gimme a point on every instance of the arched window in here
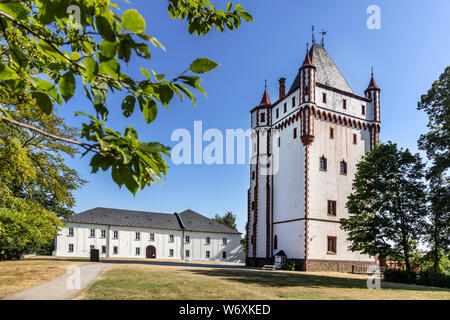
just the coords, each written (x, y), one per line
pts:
(275, 243)
(343, 167)
(323, 163)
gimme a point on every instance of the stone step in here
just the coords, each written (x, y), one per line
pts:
(268, 267)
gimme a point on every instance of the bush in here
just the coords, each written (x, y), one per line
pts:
(433, 278)
(292, 265)
(400, 276)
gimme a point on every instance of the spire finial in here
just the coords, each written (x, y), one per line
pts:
(323, 33)
(312, 31)
(307, 48)
(265, 84)
(372, 72)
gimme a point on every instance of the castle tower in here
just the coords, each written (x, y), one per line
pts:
(307, 144)
(373, 94)
(258, 225)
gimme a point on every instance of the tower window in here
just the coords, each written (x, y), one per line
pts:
(331, 245)
(277, 113)
(331, 208)
(275, 243)
(363, 109)
(253, 175)
(343, 167)
(263, 117)
(344, 104)
(279, 142)
(253, 205)
(331, 133)
(285, 107)
(295, 133)
(293, 101)
(323, 163)
(355, 139)
(324, 97)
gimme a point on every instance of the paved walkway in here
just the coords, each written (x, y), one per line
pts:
(65, 287)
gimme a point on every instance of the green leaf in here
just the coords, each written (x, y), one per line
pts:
(15, 9)
(6, 73)
(152, 40)
(133, 21)
(110, 67)
(43, 101)
(202, 65)
(149, 109)
(105, 28)
(91, 68)
(125, 47)
(67, 86)
(108, 49)
(246, 16)
(128, 105)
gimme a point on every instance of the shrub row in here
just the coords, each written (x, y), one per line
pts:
(424, 277)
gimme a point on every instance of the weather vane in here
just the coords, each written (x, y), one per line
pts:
(312, 31)
(323, 33)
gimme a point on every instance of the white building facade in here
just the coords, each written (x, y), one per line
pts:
(136, 234)
(305, 147)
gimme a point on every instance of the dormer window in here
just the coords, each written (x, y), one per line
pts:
(323, 163)
(324, 97)
(344, 104)
(263, 117)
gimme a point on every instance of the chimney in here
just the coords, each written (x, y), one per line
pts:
(282, 87)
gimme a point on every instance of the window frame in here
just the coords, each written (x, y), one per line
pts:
(208, 254)
(187, 239)
(295, 133)
(137, 251)
(293, 101)
(263, 117)
(151, 237)
(331, 133)
(324, 97)
(71, 247)
(224, 255)
(187, 253)
(363, 110)
(91, 231)
(355, 139)
(115, 249)
(103, 234)
(115, 234)
(137, 236)
(103, 251)
(224, 241)
(334, 247)
(171, 238)
(171, 252)
(344, 104)
(70, 232)
(208, 240)
(331, 204)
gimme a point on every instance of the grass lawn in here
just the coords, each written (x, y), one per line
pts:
(163, 282)
(21, 274)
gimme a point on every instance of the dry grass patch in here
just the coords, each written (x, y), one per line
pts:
(163, 282)
(21, 274)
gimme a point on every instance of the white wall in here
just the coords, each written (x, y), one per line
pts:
(127, 244)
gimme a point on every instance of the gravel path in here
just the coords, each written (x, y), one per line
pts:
(65, 287)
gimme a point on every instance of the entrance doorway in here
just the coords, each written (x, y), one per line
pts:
(150, 252)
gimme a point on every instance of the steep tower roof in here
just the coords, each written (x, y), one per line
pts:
(372, 84)
(265, 98)
(327, 73)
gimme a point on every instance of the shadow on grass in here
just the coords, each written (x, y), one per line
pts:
(287, 279)
(149, 262)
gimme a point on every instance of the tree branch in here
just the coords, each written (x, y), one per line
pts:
(87, 146)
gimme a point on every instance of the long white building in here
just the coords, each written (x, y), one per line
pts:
(137, 234)
(305, 149)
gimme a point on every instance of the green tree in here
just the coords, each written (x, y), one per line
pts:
(436, 143)
(47, 54)
(32, 166)
(228, 219)
(388, 204)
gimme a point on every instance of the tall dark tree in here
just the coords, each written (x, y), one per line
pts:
(436, 143)
(388, 204)
(228, 219)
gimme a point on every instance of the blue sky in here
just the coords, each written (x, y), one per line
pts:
(408, 53)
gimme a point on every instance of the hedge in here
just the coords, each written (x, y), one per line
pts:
(424, 277)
